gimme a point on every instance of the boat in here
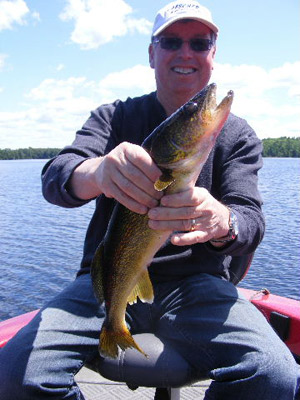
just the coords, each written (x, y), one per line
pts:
(282, 313)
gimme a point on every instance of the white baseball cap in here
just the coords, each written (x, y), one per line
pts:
(182, 9)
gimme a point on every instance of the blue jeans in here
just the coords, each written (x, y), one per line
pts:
(217, 330)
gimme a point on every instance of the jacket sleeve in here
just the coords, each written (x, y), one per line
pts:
(94, 139)
(238, 158)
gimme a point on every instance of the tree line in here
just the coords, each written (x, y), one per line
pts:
(280, 147)
(29, 153)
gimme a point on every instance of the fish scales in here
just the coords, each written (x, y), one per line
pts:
(179, 146)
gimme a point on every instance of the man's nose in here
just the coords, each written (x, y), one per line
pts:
(185, 50)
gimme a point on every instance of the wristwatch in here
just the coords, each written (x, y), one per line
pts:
(233, 230)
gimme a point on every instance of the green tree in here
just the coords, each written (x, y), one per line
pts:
(281, 147)
(28, 153)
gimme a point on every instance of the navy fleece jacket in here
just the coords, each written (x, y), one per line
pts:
(230, 175)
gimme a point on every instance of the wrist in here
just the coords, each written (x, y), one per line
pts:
(83, 182)
(232, 231)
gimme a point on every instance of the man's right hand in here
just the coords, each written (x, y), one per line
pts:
(126, 174)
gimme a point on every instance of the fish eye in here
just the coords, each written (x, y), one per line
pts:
(191, 107)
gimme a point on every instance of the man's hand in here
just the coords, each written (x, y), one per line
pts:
(194, 209)
(126, 174)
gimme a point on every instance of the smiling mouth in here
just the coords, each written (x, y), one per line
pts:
(183, 71)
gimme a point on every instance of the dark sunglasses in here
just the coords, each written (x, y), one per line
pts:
(175, 43)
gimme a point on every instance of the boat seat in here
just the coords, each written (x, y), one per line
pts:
(165, 368)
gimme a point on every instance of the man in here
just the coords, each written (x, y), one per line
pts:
(220, 333)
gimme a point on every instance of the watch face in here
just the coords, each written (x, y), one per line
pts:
(233, 228)
(232, 232)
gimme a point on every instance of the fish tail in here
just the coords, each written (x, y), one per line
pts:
(110, 340)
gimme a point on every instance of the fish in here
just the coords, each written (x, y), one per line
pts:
(179, 146)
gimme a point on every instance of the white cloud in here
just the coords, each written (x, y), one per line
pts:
(54, 110)
(50, 115)
(129, 82)
(60, 67)
(2, 63)
(99, 21)
(36, 16)
(255, 80)
(56, 90)
(140, 76)
(12, 12)
(2, 60)
(269, 100)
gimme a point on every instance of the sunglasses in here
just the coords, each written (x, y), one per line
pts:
(175, 43)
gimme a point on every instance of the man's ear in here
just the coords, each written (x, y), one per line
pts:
(214, 51)
(151, 55)
(213, 56)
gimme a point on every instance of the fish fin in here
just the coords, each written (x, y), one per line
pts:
(143, 289)
(110, 341)
(164, 181)
(97, 273)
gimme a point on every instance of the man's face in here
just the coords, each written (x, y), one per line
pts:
(183, 72)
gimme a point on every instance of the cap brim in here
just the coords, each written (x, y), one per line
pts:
(213, 27)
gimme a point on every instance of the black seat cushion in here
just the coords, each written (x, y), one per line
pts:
(164, 367)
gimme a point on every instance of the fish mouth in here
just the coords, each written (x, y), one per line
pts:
(184, 70)
(206, 101)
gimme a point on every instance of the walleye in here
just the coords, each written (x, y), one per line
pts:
(179, 146)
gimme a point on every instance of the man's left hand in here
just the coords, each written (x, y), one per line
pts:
(195, 213)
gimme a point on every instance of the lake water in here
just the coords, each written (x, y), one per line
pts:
(41, 244)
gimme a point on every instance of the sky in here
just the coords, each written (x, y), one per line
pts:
(60, 59)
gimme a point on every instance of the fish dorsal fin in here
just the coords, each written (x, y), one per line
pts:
(164, 181)
(143, 289)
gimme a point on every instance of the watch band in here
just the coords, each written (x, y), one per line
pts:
(232, 232)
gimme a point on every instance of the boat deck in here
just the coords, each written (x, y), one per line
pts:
(95, 387)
